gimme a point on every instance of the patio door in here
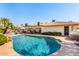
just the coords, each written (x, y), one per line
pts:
(66, 30)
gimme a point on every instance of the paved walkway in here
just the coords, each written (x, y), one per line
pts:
(7, 50)
(67, 49)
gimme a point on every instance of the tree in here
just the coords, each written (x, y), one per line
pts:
(53, 20)
(21, 25)
(10, 25)
(6, 23)
(26, 24)
(70, 21)
(38, 23)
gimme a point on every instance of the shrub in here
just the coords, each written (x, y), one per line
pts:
(1, 29)
(3, 39)
(52, 33)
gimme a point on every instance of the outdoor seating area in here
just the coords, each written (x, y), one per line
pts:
(24, 30)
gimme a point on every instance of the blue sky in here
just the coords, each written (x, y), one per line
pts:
(21, 13)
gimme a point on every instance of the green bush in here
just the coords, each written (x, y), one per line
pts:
(1, 29)
(3, 39)
(52, 33)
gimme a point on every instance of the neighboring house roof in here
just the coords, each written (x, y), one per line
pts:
(56, 24)
(61, 23)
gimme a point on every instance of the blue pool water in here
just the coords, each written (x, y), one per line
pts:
(35, 45)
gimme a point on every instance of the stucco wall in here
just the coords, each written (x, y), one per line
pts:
(53, 29)
(59, 29)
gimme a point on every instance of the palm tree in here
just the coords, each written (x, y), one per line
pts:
(38, 23)
(26, 24)
(10, 25)
(6, 23)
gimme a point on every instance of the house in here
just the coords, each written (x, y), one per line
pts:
(64, 27)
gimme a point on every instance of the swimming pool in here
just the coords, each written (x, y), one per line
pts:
(28, 45)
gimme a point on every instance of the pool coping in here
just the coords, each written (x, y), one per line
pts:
(34, 35)
(39, 36)
(47, 36)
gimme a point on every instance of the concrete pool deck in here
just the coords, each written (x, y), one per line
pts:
(7, 50)
(68, 49)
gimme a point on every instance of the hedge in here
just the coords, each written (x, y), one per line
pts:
(52, 33)
(3, 39)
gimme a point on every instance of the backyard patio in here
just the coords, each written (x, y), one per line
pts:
(68, 49)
